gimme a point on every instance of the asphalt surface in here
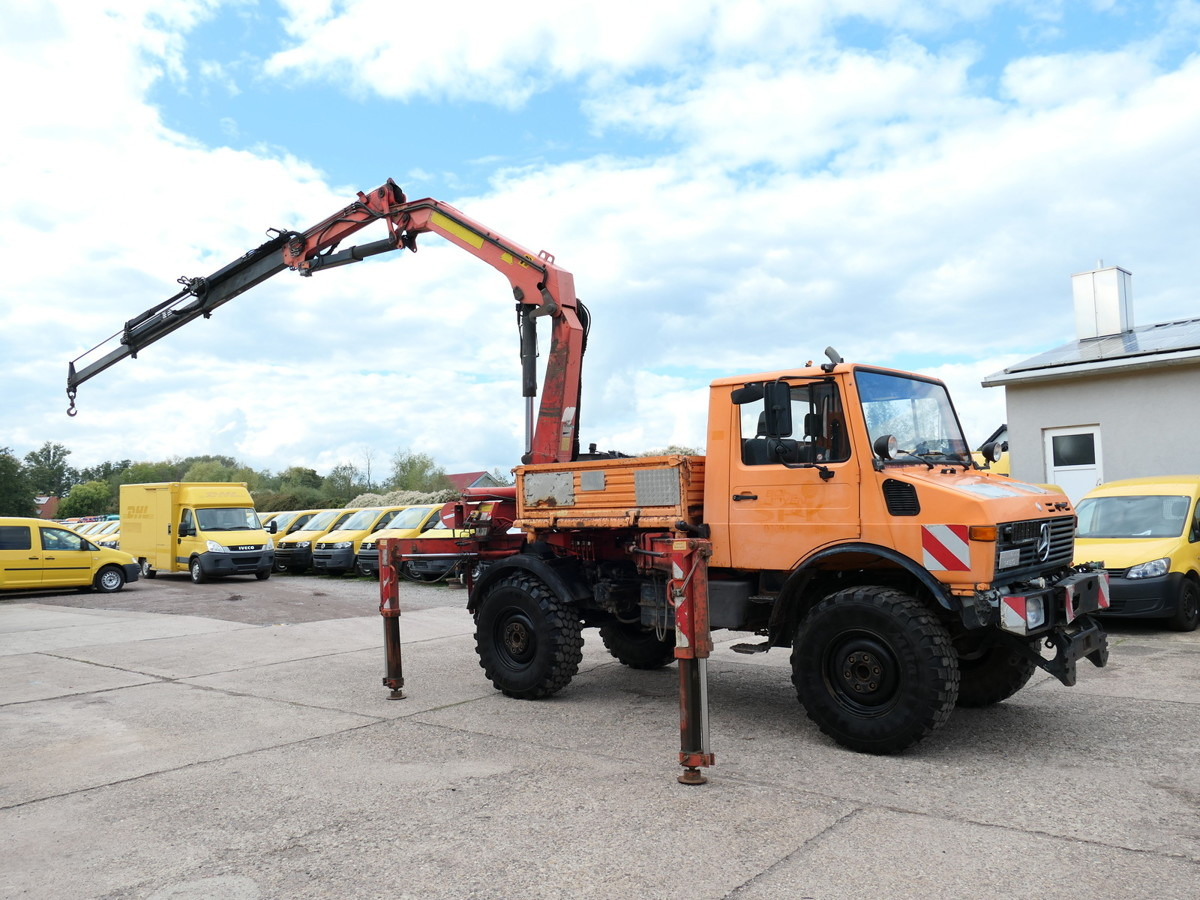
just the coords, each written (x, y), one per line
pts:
(233, 741)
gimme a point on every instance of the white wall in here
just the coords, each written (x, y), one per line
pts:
(1149, 420)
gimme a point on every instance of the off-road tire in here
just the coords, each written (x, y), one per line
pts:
(637, 648)
(529, 642)
(992, 673)
(1187, 609)
(874, 669)
(197, 571)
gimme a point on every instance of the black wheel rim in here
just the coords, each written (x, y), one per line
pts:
(862, 673)
(515, 639)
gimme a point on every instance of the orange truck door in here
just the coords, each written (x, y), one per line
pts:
(778, 513)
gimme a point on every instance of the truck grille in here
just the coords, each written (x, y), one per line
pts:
(1035, 547)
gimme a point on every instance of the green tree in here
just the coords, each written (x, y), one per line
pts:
(210, 470)
(48, 471)
(148, 473)
(16, 490)
(299, 477)
(91, 498)
(416, 472)
(342, 483)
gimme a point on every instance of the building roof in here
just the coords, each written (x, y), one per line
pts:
(1164, 344)
(472, 479)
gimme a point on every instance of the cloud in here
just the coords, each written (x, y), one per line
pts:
(753, 187)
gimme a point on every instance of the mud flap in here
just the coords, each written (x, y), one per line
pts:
(1085, 639)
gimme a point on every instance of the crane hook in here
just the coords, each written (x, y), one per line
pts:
(71, 410)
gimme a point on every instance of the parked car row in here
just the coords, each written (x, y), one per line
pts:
(337, 541)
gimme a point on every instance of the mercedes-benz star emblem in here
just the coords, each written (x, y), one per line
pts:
(1043, 544)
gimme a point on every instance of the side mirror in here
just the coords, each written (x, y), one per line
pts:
(778, 395)
(185, 530)
(272, 527)
(885, 446)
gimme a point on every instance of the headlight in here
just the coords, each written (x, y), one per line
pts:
(214, 547)
(270, 544)
(1035, 612)
(1156, 568)
(343, 545)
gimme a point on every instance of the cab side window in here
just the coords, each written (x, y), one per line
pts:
(186, 525)
(58, 539)
(15, 537)
(1194, 533)
(818, 429)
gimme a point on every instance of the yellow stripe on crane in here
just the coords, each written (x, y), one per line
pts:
(460, 231)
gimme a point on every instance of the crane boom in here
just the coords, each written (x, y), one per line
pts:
(541, 289)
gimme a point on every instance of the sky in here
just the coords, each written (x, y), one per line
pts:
(734, 186)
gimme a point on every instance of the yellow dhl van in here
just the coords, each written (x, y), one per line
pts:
(413, 521)
(294, 552)
(204, 528)
(336, 552)
(38, 554)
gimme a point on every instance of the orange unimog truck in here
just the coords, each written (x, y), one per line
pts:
(837, 513)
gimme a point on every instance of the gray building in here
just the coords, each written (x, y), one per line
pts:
(1118, 402)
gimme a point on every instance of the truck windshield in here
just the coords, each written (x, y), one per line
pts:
(1131, 517)
(360, 521)
(232, 519)
(917, 413)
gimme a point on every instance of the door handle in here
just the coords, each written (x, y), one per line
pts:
(737, 497)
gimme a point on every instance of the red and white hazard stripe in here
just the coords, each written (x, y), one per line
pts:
(945, 548)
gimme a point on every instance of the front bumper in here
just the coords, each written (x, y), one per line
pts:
(1145, 598)
(217, 564)
(133, 571)
(337, 560)
(368, 562)
(295, 559)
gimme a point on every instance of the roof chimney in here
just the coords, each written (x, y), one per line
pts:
(1103, 302)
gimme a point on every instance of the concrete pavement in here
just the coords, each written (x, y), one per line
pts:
(176, 756)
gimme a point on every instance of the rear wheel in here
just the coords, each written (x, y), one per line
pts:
(874, 669)
(637, 648)
(147, 570)
(197, 571)
(1187, 611)
(529, 643)
(991, 673)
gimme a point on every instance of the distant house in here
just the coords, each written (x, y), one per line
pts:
(1118, 402)
(47, 507)
(473, 479)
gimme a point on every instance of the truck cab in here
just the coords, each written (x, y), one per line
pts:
(337, 552)
(295, 552)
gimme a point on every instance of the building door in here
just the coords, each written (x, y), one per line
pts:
(1073, 459)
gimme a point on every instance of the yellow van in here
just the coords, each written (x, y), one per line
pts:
(294, 552)
(35, 553)
(204, 528)
(413, 521)
(1146, 531)
(335, 553)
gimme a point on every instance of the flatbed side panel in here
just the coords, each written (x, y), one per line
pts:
(645, 491)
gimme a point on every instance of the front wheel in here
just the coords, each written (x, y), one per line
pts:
(262, 574)
(991, 673)
(874, 669)
(637, 648)
(1187, 612)
(197, 571)
(109, 580)
(529, 643)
